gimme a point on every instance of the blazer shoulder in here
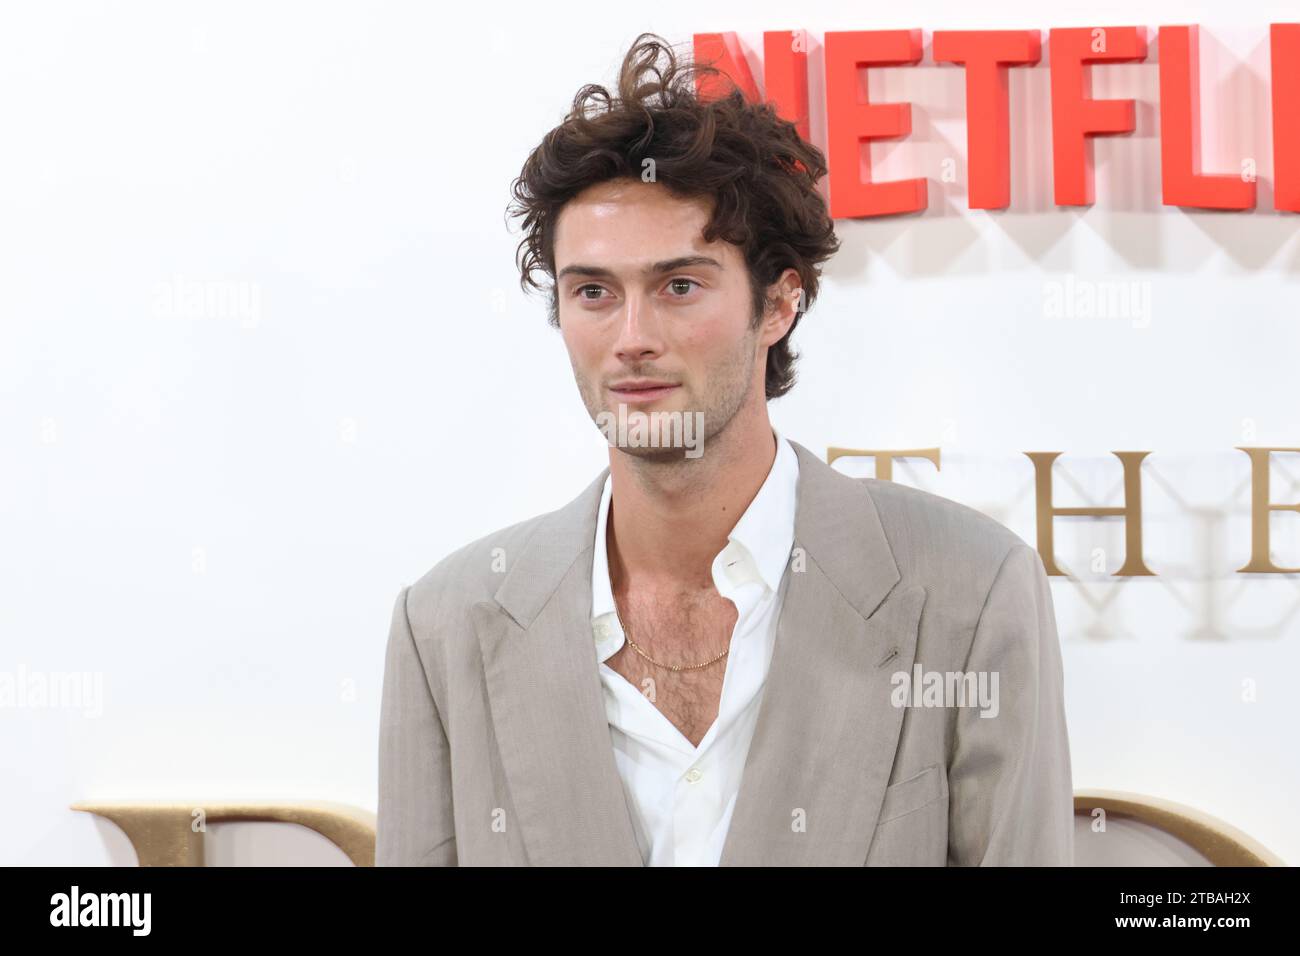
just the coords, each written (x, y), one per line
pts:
(471, 573)
(939, 539)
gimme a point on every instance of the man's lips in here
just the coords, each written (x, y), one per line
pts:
(636, 393)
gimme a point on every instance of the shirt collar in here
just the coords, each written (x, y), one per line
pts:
(766, 530)
(758, 546)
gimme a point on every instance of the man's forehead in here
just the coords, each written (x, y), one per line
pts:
(632, 224)
(627, 193)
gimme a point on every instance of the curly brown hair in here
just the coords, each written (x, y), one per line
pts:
(760, 172)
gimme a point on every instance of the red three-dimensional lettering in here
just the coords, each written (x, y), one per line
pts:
(852, 121)
(1076, 116)
(1284, 48)
(785, 72)
(1181, 179)
(722, 50)
(987, 54)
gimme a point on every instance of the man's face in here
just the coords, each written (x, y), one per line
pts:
(642, 299)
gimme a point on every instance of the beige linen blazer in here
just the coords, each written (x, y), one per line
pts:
(495, 750)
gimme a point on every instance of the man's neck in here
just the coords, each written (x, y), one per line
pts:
(670, 518)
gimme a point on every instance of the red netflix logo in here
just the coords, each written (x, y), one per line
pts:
(986, 56)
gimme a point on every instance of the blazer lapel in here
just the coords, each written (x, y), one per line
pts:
(824, 741)
(547, 701)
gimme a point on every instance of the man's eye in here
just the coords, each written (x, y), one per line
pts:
(675, 284)
(583, 288)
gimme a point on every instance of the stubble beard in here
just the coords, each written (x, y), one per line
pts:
(728, 384)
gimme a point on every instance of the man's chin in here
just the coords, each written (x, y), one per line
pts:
(653, 433)
(653, 454)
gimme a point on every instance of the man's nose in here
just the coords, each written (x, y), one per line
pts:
(639, 334)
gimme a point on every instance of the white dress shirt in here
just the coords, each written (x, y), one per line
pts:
(682, 796)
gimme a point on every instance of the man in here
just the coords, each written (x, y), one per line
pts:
(723, 651)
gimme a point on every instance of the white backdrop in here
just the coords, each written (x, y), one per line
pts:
(264, 360)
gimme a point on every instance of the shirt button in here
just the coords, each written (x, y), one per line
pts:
(601, 631)
(694, 774)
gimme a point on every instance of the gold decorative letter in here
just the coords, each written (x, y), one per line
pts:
(1131, 511)
(1261, 560)
(166, 834)
(884, 459)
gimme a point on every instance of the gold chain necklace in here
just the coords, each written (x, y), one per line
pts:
(627, 636)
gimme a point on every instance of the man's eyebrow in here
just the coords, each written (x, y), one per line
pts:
(655, 268)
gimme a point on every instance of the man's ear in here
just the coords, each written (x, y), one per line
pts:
(786, 296)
